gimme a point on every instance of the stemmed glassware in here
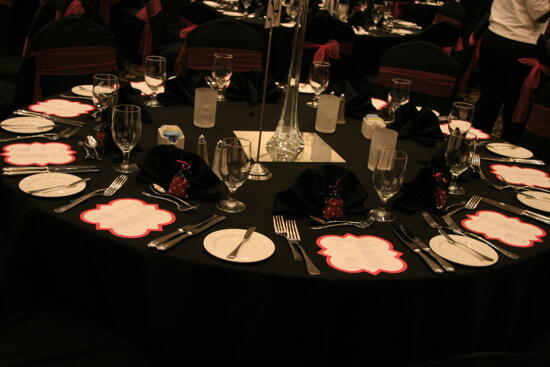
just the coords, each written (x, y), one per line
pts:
(155, 76)
(246, 5)
(221, 73)
(399, 95)
(319, 77)
(457, 157)
(234, 166)
(387, 178)
(376, 15)
(104, 92)
(461, 116)
(291, 9)
(126, 130)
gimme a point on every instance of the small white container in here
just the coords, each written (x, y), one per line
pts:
(170, 135)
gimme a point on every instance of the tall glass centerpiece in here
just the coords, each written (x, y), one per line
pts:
(286, 143)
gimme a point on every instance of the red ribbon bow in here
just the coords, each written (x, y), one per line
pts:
(529, 85)
(330, 50)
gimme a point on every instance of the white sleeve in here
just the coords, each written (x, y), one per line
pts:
(538, 8)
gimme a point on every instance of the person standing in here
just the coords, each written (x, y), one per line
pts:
(514, 28)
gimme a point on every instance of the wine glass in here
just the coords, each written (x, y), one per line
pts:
(461, 116)
(126, 130)
(376, 15)
(457, 157)
(291, 7)
(388, 7)
(399, 95)
(221, 72)
(319, 76)
(387, 178)
(246, 5)
(234, 166)
(104, 92)
(155, 75)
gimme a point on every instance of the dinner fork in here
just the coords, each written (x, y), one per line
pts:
(472, 203)
(294, 238)
(441, 229)
(456, 229)
(335, 223)
(49, 136)
(107, 191)
(280, 230)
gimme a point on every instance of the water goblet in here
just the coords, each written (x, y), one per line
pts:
(221, 73)
(399, 95)
(246, 5)
(155, 75)
(387, 179)
(457, 157)
(126, 130)
(377, 13)
(319, 77)
(234, 166)
(291, 7)
(461, 116)
(104, 92)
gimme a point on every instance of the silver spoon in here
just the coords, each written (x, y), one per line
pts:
(180, 206)
(83, 145)
(159, 190)
(92, 143)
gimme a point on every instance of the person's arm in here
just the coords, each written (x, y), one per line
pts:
(539, 10)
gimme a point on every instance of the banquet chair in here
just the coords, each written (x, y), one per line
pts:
(452, 13)
(442, 34)
(433, 73)
(49, 336)
(536, 136)
(68, 52)
(328, 39)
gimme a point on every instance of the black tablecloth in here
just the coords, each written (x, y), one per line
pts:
(186, 307)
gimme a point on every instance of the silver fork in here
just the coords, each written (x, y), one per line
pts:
(294, 238)
(336, 223)
(280, 230)
(441, 229)
(50, 136)
(107, 191)
(456, 229)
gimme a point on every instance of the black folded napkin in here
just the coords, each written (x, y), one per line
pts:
(160, 165)
(427, 190)
(357, 104)
(129, 95)
(308, 193)
(422, 126)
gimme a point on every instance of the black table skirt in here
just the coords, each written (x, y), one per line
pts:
(187, 307)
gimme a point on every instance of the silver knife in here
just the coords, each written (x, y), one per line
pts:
(167, 245)
(536, 162)
(435, 267)
(444, 263)
(516, 210)
(181, 230)
(71, 133)
(35, 170)
(61, 120)
(46, 168)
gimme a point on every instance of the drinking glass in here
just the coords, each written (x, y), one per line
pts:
(234, 166)
(126, 130)
(388, 7)
(376, 15)
(387, 178)
(399, 95)
(291, 7)
(457, 157)
(246, 5)
(221, 72)
(461, 116)
(104, 92)
(319, 76)
(155, 75)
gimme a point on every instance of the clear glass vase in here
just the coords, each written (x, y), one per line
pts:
(287, 143)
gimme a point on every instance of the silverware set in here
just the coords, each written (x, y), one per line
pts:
(338, 223)
(158, 192)
(31, 170)
(68, 132)
(59, 120)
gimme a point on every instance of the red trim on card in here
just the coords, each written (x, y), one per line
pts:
(494, 170)
(472, 217)
(87, 109)
(397, 255)
(113, 232)
(7, 154)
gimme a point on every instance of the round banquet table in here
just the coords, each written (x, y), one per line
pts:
(185, 307)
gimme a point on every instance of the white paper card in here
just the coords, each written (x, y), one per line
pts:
(39, 154)
(206, 100)
(356, 254)
(327, 113)
(62, 107)
(521, 176)
(509, 230)
(129, 218)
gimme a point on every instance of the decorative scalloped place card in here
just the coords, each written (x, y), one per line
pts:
(521, 176)
(508, 230)
(358, 254)
(39, 154)
(480, 135)
(128, 218)
(144, 88)
(62, 108)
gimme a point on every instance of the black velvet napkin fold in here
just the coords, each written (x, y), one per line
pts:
(427, 190)
(357, 104)
(160, 164)
(129, 95)
(422, 126)
(308, 193)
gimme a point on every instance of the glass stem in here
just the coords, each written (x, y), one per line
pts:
(231, 196)
(453, 180)
(383, 203)
(126, 158)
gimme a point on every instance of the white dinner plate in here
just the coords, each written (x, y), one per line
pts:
(535, 199)
(402, 32)
(84, 90)
(212, 4)
(44, 180)
(404, 23)
(27, 125)
(509, 150)
(221, 243)
(233, 13)
(461, 254)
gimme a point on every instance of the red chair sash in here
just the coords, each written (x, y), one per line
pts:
(423, 82)
(83, 60)
(75, 8)
(465, 78)
(531, 83)
(330, 50)
(538, 121)
(151, 8)
(443, 18)
(186, 26)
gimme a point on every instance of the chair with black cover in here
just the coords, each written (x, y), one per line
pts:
(328, 39)
(432, 72)
(442, 34)
(453, 13)
(68, 52)
(536, 136)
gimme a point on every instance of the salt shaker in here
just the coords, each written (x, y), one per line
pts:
(342, 110)
(202, 149)
(217, 158)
